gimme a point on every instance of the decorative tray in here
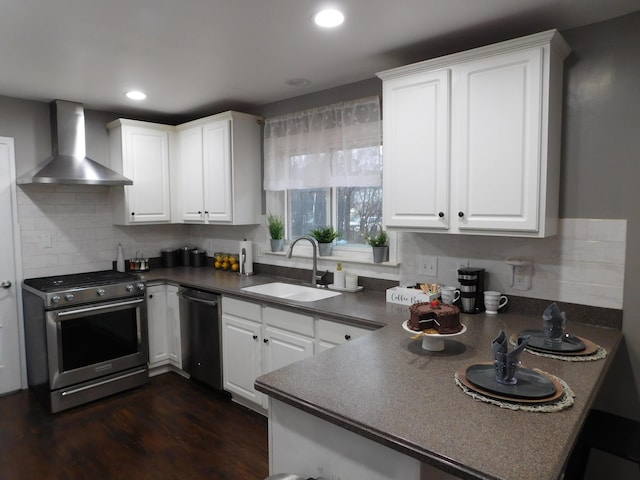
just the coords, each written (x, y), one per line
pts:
(532, 386)
(571, 345)
(359, 288)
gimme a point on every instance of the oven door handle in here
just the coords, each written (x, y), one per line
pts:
(97, 308)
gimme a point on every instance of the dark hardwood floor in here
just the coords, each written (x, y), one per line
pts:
(171, 428)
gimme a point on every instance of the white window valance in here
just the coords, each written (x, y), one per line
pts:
(335, 145)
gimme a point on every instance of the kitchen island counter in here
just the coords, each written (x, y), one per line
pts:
(384, 387)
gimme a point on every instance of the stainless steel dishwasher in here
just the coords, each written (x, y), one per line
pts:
(200, 336)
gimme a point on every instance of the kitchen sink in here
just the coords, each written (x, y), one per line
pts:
(289, 291)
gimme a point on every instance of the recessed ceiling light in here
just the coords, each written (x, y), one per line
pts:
(136, 95)
(328, 18)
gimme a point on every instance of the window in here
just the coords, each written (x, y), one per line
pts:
(328, 163)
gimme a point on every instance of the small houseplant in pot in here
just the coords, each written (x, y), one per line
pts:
(276, 230)
(379, 245)
(325, 237)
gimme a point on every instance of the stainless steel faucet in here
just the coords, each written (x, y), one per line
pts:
(314, 274)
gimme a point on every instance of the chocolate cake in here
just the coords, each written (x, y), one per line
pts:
(442, 318)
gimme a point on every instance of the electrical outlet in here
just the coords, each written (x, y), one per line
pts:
(428, 265)
(521, 274)
(522, 277)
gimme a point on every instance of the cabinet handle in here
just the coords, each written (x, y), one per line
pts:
(461, 214)
(266, 340)
(133, 213)
(199, 212)
(255, 337)
(441, 214)
(150, 296)
(206, 213)
(347, 337)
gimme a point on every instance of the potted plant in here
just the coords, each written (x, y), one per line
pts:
(379, 245)
(325, 237)
(276, 230)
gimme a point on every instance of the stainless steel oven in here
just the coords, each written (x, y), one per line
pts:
(86, 336)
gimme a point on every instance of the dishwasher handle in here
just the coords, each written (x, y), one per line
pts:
(212, 303)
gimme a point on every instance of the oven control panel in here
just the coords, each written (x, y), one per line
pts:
(93, 294)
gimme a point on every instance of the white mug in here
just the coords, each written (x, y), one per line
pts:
(449, 294)
(493, 301)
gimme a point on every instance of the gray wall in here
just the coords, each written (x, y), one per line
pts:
(601, 166)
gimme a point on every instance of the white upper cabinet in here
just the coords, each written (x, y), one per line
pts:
(472, 140)
(219, 169)
(140, 151)
(416, 150)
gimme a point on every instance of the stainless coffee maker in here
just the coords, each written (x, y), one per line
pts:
(471, 289)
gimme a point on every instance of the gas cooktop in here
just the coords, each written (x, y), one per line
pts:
(79, 280)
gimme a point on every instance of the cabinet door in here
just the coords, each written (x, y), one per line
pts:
(331, 334)
(191, 174)
(146, 162)
(157, 320)
(241, 356)
(217, 171)
(173, 326)
(416, 150)
(496, 141)
(282, 348)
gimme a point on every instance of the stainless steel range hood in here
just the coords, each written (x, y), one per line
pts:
(69, 164)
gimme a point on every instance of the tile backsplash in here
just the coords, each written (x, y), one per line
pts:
(68, 229)
(583, 264)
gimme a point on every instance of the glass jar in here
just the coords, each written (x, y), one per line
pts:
(234, 262)
(217, 260)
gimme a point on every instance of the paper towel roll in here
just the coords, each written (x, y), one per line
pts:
(245, 252)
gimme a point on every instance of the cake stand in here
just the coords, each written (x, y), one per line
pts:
(433, 342)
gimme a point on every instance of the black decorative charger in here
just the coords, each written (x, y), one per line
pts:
(569, 344)
(531, 384)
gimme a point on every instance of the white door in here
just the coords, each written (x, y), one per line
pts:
(217, 171)
(242, 357)
(157, 314)
(498, 108)
(9, 337)
(191, 174)
(147, 151)
(416, 150)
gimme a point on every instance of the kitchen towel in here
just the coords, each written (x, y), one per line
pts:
(245, 255)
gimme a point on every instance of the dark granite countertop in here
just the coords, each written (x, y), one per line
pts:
(361, 308)
(385, 387)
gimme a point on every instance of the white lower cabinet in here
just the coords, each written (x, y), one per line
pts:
(288, 337)
(241, 356)
(309, 446)
(259, 339)
(164, 326)
(173, 326)
(331, 334)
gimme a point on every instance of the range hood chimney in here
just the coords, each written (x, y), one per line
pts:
(69, 164)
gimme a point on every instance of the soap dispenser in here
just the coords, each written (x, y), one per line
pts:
(339, 277)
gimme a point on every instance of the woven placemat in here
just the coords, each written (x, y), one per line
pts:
(563, 402)
(599, 354)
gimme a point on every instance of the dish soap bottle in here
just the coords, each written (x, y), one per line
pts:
(338, 276)
(120, 260)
